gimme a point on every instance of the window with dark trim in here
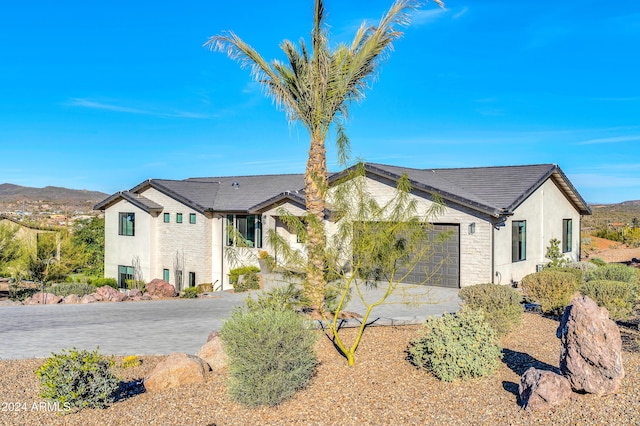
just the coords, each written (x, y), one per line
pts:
(567, 235)
(244, 230)
(192, 279)
(125, 273)
(178, 217)
(518, 240)
(126, 224)
(192, 218)
(165, 275)
(167, 217)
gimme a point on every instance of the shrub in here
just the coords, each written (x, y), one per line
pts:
(500, 305)
(613, 272)
(78, 379)
(583, 266)
(461, 345)
(205, 287)
(577, 272)
(189, 293)
(597, 261)
(271, 355)
(99, 282)
(283, 298)
(20, 294)
(552, 289)
(131, 361)
(249, 281)
(65, 289)
(136, 284)
(617, 296)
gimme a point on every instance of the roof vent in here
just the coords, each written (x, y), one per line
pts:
(235, 184)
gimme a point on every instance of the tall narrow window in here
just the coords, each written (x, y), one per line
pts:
(167, 217)
(192, 218)
(178, 217)
(567, 235)
(165, 275)
(126, 224)
(192, 279)
(125, 273)
(518, 240)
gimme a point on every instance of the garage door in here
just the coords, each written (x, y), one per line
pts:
(442, 268)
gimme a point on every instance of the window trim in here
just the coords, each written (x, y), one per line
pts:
(166, 275)
(567, 235)
(192, 218)
(518, 240)
(167, 218)
(232, 223)
(192, 279)
(123, 228)
(178, 217)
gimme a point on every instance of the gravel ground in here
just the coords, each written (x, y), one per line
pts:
(381, 389)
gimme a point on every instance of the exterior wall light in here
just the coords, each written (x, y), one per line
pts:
(472, 228)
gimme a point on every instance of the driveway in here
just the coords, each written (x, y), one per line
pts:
(165, 326)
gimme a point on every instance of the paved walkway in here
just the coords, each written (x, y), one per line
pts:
(165, 326)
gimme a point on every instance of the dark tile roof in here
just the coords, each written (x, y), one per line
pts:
(137, 200)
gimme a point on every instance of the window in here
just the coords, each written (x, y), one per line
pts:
(178, 217)
(244, 230)
(192, 218)
(125, 273)
(567, 235)
(165, 275)
(518, 240)
(167, 217)
(126, 224)
(192, 279)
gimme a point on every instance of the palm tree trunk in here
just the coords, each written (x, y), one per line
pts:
(315, 193)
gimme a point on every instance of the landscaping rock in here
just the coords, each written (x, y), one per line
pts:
(135, 293)
(10, 303)
(213, 353)
(176, 370)
(71, 299)
(591, 356)
(89, 298)
(43, 299)
(110, 294)
(542, 389)
(160, 288)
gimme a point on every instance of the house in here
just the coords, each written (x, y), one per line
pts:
(501, 220)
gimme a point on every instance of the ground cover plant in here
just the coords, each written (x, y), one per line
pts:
(500, 304)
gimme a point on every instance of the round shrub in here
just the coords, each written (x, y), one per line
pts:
(245, 278)
(282, 298)
(99, 282)
(499, 303)
(617, 296)
(461, 345)
(270, 355)
(189, 293)
(65, 289)
(551, 289)
(613, 272)
(78, 379)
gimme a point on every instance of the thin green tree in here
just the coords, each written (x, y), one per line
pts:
(315, 86)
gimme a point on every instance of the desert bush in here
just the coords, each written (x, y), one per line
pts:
(250, 279)
(583, 266)
(205, 287)
(499, 303)
(78, 379)
(550, 288)
(20, 294)
(136, 284)
(617, 296)
(65, 289)
(189, 293)
(99, 282)
(282, 298)
(613, 272)
(271, 355)
(577, 272)
(461, 345)
(131, 361)
(597, 261)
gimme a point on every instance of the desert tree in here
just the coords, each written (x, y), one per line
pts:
(315, 86)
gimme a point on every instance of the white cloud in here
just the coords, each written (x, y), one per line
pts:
(86, 103)
(614, 139)
(460, 13)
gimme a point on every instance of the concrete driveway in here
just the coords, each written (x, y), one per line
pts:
(165, 326)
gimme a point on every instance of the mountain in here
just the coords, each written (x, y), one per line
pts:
(12, 193)
(619, 213)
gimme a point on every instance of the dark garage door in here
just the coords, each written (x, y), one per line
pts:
(443, 266)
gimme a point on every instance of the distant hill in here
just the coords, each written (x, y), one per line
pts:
(12, 193)
(620, 213)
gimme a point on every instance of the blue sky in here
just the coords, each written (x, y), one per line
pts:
(102, 95)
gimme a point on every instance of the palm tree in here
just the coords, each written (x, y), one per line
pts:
(316, 87)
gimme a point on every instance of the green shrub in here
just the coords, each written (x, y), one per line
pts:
(613, 272)
(271, 355)
(131, 361)
(577, 273)
(99, 282)
(617, 296)
(205, 287)
(550, 288)
(249, 281)
(583, 266)
(461, 345)
(65, 289)
(21, 294)
(499, 303)
(597, 261)
(189, 293)
(78, 379)
(282, 298)
(136, 284)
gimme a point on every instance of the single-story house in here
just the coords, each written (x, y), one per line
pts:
(501, 220)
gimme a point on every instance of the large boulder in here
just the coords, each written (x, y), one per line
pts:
(43, 299)
(542, 389)
(89, 298)
(591, 355)
(109, 294)
(213, 353)
(176, 370)
(71, 299)
(135, 292)
(160, 288)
